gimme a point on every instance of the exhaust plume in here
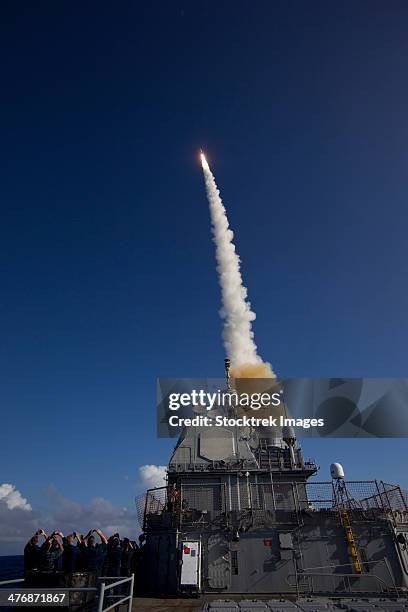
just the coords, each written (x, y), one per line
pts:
(236, 310)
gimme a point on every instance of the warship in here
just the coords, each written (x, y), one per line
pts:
(240, 525)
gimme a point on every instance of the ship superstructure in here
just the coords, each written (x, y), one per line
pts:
(240, 516)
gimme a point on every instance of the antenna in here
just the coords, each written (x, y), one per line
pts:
(227, 364)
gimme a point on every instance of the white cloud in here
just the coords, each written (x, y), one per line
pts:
(18, 522)
(153, 475)
(13, 498)
(68, 515)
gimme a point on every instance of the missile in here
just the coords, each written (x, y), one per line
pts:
(204, 162)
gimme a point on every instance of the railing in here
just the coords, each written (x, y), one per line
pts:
(203, 501)
(153, 502)
(100, 591)
(305, 580)
(363, 495)
(274, 459)
(106, 588)
(306, 583)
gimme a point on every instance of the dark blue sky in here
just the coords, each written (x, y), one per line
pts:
(107, 266)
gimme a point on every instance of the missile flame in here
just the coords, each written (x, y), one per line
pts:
(204, 162)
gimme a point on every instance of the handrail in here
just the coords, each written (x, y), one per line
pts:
(69, 589)
(340, 575)
(103, 587)
(107, 587)
(11, 581)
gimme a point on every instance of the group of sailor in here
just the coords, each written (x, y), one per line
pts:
(77, 553)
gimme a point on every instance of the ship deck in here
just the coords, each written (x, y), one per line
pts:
(255, 603)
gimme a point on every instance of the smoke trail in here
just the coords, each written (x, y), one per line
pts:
(236, 309)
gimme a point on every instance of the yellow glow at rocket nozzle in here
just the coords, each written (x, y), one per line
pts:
(204, 162)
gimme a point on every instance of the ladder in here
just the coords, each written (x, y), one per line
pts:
(353, 550)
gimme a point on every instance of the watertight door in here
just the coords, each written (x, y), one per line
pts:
(190, 567)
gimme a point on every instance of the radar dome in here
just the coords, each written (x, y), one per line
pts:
(336, 471)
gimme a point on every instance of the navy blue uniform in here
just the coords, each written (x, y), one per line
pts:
(127, 561)
(49, 558)
(114, 561)
(71, 558)
(32, 557)
(94, 557)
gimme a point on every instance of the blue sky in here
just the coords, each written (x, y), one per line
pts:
(107, 265)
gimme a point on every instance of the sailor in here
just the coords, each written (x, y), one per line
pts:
(94, 554)
(51, 552)
(138, 563)
(32, 552)
(114, 557)
(72, 557)
(128, 552)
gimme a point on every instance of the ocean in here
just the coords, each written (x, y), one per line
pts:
(11, 567)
